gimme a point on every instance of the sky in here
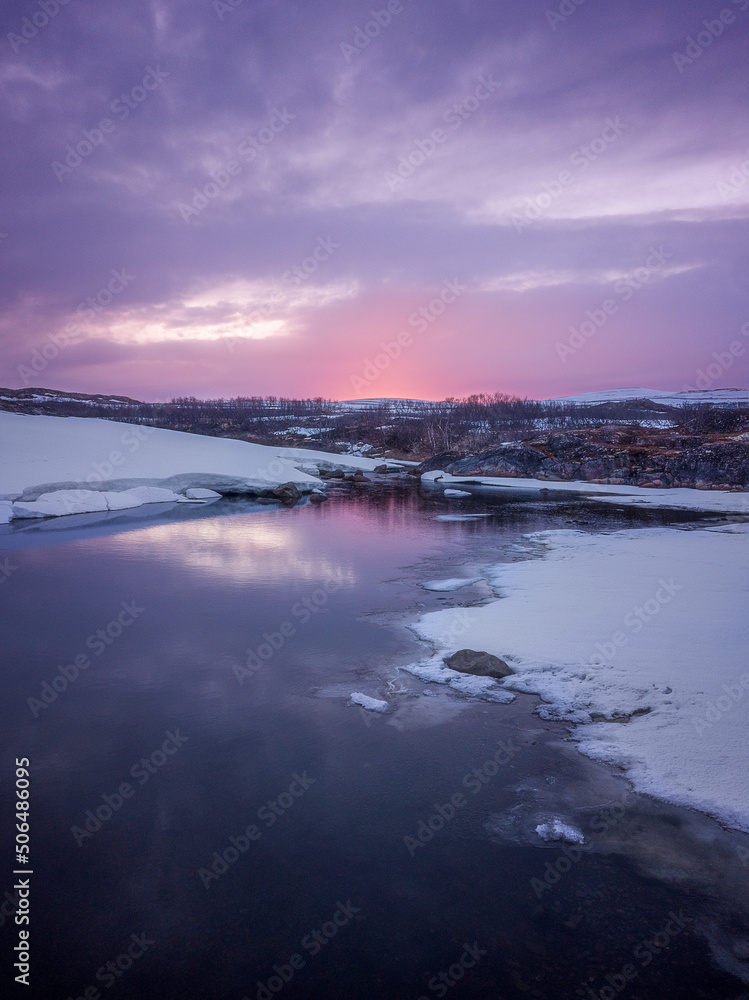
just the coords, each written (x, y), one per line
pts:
(348, 199)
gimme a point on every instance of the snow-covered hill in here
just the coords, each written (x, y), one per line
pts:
(89, 464)
(714, 397)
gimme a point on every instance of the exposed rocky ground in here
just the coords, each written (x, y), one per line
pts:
(632, 456)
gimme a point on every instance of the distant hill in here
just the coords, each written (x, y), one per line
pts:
(26, 399)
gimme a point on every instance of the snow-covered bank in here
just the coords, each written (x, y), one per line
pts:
(707, 501)
(79, 465)
(638, 637)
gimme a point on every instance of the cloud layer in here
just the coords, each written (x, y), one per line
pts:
(282, 188)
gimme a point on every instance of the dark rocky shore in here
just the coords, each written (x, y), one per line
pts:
(631, 456)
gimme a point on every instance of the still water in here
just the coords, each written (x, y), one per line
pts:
(211, 818)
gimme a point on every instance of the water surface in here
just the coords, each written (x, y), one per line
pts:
(220, 699)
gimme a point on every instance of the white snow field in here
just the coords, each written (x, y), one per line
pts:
(70, 465)
(708, 501)
(639, 638)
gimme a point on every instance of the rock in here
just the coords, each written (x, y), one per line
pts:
(380, 469)
(267, 500)
(316, 497)
(482, 664)
(335, 474)
(510, 460)
(440, 461)
(287, 493)
(359, 477)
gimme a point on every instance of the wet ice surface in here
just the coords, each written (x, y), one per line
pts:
(423, 817)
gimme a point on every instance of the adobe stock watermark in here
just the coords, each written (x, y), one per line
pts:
(421, 319)
(736, 181)
(272, 642)
(97, 642)
(474, 782)
(581, 159)
(454, 117)
(7, 569)
(94, 305)
(564, 11)
(651, 947)
(94, 137)
(312, 943)
(634, 622)
(716, 710)
(722, 362)
(269, 814)
(224, 7)
(445, 980)
(8, 906)
(322, 251)
(141, 771)
(249, 149)
(115, 969)
(33, 24)
(379, 20)
(702, 40)
(131, 439)
(460, 623)
(596, 319)
(604, 820)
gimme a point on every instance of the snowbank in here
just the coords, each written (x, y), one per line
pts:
(710, 501)
(640, 637)
(69, 465)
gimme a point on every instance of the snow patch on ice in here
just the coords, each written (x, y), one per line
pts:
(458, 517)
(201, 494)
(454, 583)
(371, 704)
(557, 829)
(456, 493)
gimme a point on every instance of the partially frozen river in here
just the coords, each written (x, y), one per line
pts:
(212, 818)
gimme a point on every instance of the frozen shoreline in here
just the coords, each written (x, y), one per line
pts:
(54, 466)
(703, 501)
(638, 639)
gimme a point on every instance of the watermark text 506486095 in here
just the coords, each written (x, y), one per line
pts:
(21, 950)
